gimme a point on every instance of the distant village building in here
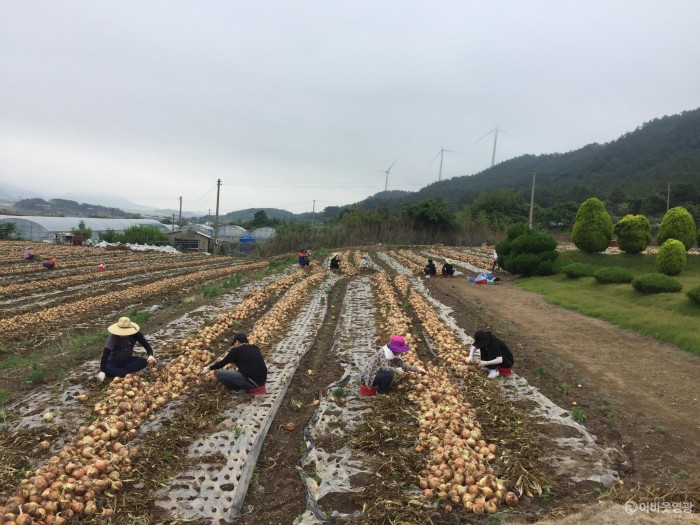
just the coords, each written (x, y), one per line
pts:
(51, 229)
(191, 239)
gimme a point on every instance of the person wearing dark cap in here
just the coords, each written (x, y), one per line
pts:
(496, 357)
(118, 357)
(430, 269)
(251, 375)
(379, 370)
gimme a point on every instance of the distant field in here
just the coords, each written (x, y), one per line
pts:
(670, 318)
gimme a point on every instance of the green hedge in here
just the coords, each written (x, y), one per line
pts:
(613, 275)
(656, 283)
(576, 270)
(694, 295)
(671, 258)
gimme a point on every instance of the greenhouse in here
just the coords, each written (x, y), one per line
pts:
(263, 234)
(39, 228)
(230, 233)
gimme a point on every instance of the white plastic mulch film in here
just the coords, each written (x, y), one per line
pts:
(354, 342)
(216, 491)
(579, 456)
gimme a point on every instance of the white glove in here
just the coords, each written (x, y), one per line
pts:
(205, 370)
(101, 376)
(151, 360)
(469, 359)
(422, 371)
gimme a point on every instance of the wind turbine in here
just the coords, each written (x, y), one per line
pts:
(386, 183)
(495, 140)
(441, 153)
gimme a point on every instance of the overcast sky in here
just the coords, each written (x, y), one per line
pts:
(291, 102)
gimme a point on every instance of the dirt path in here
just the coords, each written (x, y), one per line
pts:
(634, 390)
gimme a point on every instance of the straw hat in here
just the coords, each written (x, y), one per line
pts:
(448, 261)
(123, 327)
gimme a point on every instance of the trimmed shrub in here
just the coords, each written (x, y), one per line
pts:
(527, 251)
(576, 270)
(671, 257)
(633, 233)
(694, 295)
(593, 228)
(656, 283)
(677, 224)
(613, 275)
(533, 263)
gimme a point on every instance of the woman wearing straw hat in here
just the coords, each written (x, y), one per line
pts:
(379, 370)
(118, 357)
(447, 269)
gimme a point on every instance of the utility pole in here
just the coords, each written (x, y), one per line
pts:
(668, 197)
(173, 222)
(532, 195)
(216, 219)
(179, 219)
(313, 214)
(493, 155)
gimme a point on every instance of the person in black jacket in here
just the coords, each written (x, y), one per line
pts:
(495, 354)
(251, 373)
(430, 269)
(447, 269)
(118, 357)
(335, 262)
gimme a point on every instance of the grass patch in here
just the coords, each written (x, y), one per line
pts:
(38, 374)
(139, 316)
(232, 282)
(15, 361)
(578, 415)
(339, 392)
(670, 318)
(211, 291)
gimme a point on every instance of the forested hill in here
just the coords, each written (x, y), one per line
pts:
(637, 166)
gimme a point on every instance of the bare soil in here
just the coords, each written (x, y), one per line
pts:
(640, 396)
(630, 392)
(637, 393)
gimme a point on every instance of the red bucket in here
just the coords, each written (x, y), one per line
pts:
(504, 371)
(257, 390)
(367, 391)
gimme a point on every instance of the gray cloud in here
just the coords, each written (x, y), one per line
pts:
(293, 102)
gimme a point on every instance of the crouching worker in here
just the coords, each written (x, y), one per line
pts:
(496, 357)
(379, 370)
(118, 357)
(251, 375)
(447, 269)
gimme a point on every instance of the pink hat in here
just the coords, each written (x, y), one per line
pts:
(397, 344)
